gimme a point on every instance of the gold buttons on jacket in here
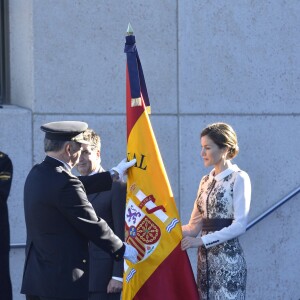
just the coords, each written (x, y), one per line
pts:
(84, 261)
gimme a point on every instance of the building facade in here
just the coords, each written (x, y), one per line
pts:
(204, 61)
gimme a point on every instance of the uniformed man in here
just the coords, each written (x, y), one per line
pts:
(6, 172)
(60, 220)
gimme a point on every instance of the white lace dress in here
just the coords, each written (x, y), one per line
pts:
(222, 270)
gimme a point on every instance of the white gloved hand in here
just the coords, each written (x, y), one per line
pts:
(122, 167)
(130, 253)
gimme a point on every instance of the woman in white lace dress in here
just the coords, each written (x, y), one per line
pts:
(219, 217)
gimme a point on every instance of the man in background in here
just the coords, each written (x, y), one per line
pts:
(105, 281)
(6, 172)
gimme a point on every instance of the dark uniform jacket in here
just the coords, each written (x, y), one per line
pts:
(6, 172)
(110, 206)
(60, 221)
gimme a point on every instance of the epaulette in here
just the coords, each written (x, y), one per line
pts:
(61, 169)
(4, 175)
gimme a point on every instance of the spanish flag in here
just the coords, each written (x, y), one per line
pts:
(152, 222)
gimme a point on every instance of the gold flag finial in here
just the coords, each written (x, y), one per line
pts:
(129, 29)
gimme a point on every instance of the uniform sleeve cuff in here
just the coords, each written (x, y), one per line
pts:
(119, 254)
(117, 278)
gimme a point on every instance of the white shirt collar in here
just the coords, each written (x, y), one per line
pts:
(225, 173)
(67, 167)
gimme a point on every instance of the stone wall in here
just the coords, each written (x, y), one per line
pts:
(204, 61)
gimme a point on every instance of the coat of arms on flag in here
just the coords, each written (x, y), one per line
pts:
(142, 232)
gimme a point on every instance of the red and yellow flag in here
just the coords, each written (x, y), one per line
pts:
(152, 221)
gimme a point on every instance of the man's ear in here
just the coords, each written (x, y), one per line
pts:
(98, 153)
(67, 148)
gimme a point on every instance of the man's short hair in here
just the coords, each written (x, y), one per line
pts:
(52, 145)
(93, 138)
(55, 146)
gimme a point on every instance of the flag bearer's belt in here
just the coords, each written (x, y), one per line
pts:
(215, 224)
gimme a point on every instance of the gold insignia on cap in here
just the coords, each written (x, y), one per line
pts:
(77, 137)
(80, 139)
